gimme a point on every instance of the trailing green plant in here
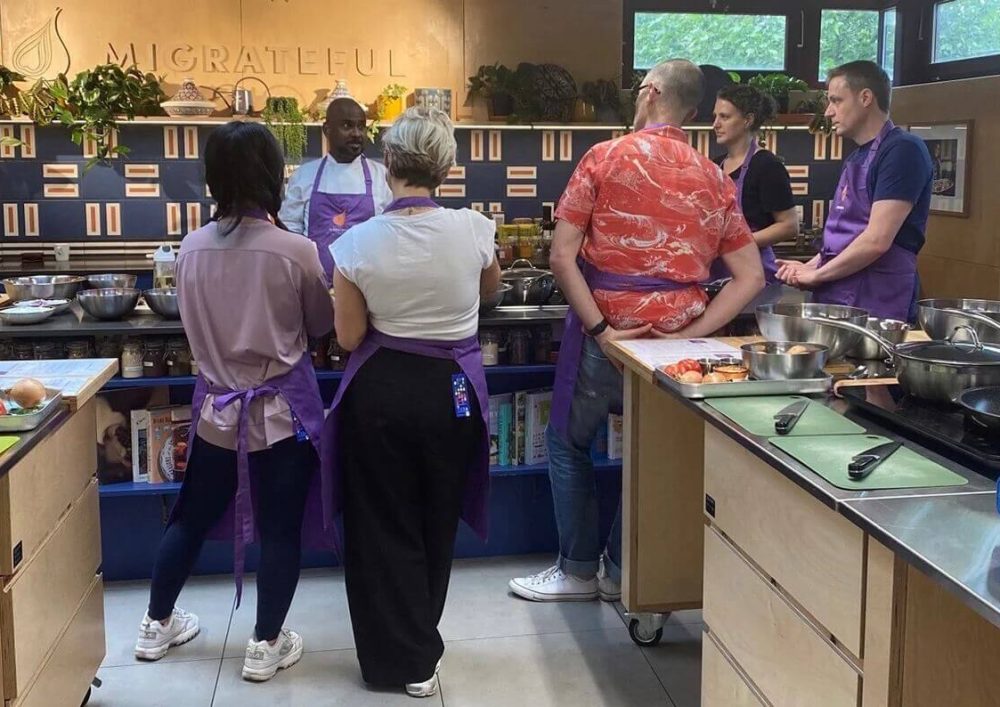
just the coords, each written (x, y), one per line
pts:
(777, 86)
(601, 94)
(493, 80)
(8, 77)
(284, 119)
(392, 92)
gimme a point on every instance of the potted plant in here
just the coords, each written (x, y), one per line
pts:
(778, 86)
(285, 121)
(498, 85)
(389, 104)
(606, 99)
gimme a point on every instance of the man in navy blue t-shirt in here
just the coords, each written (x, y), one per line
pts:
(878, 215)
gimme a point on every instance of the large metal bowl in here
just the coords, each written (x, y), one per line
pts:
(789, 322)
(43, 287)
(163, 301)
(771, 360)
(892, 330)
(939, 317)
(111, 280)
(109, 302)
(488, 304)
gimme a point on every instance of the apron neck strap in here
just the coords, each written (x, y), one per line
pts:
(412, 202)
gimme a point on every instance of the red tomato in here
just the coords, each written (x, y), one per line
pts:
(689, 364)
(672, 371)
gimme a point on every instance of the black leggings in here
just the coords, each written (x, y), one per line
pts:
(284, 473)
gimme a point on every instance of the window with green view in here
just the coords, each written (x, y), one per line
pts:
(966, 29)
(888, 61)
(753, 42)
(847, 35)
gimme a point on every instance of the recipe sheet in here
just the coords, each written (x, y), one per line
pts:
(654, 353)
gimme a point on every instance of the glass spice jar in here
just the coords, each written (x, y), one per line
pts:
(154, 359)
(110, 347)
(47, 350)
(318, 350)
(489, 342)
(542, 338)
(132, 359)
(6, 349)
(178, 358)
(24, 351)
(519, 346)
(79, 348)
(338, 355)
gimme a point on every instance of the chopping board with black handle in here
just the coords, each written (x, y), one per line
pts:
(756, 416)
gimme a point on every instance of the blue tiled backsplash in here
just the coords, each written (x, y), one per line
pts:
(158, 192)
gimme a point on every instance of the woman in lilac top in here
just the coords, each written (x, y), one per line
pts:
(250, 295)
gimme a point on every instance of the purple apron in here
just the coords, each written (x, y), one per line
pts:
(885, 288)
(332, 214)
(719, 271)
(301, 390)
(469, 357)
(571, 348)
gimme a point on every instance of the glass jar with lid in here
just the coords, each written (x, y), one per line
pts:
(47, 350)
(109, 347)
(6, 349)
(154, 359)
(519, 346)
(489, 342)
(178, 358)
(132, 352)
(24, 350)
(79, 348)
(338, 355)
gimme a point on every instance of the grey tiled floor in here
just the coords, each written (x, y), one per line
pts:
(499, 651)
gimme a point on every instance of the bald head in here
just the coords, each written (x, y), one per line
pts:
(345, 129)
(680, 83)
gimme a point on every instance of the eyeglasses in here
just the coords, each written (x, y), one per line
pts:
(645, 86)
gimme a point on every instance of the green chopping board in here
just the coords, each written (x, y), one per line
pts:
(756, 416)
(6, 442)
(829, 457)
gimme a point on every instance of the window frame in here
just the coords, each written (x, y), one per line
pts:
(821, 78)
(956, 68)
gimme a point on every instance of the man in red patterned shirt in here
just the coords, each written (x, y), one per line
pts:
(640, 223)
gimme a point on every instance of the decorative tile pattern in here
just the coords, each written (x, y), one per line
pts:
(522, 190)
(113, 219)
(193, 217)
(818, 213)
(522, 173)
(476, 143)
(565, 145)
(171, 142)
(820, 141)
(836, 147)
(31, 222)
(11, 224)
(7, 151)
(142, 190)
(28, 144)
(798, 171)
(451, 191)
(496, 145)
(191, 150)
(142, 171)
(93, 219)
(61, 191)
(173, 219)
(548, 146)
(800, 188)
(60, 171)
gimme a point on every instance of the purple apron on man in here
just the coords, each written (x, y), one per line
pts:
(300, 390)
(719, 271)
(330, 215)
(887, 287)
(571, 347)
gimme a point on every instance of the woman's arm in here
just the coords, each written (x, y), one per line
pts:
(350, 316)
(785, 226)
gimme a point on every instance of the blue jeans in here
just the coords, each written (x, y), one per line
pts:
(598, 391)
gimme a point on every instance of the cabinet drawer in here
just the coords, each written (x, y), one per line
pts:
(40, 487)
(816, 555)
(721, 685)
(41, 599)
(72, 665)
(782, 653)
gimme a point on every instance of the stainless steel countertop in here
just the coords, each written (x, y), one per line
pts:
(952, 534)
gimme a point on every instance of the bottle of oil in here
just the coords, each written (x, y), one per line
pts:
(163, 266)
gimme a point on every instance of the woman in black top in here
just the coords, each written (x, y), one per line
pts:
(765, 190)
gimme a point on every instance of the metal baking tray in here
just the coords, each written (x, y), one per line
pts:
(23, 423)
(742, 389)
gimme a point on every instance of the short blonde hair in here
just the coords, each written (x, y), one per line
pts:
(420, 147)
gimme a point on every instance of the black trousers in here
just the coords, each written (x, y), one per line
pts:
(284, 472)
(405, 457)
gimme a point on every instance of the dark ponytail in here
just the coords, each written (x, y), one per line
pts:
(244, 169)
(751, 101)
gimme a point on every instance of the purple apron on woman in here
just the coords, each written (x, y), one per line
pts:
(330, 215)
(571, 348)
(300, 390)
(887, 287)
(719, 271)
(467, 354)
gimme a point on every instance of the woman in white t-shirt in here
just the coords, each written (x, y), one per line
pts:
(408, 432)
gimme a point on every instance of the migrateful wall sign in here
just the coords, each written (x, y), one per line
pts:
(297, 47)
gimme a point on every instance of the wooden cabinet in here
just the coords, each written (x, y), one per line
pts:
(721, 684)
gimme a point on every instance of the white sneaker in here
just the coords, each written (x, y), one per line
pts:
(155, 638)
(554, 585)
(263, 661)
(607, 588)
(427, 688)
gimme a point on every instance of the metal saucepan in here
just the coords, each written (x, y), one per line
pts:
(938, 370)
(487, 304)
(939, 317)
(529, 286)
(797, 322)
(892, 330)
(784, 360)
(982, 406)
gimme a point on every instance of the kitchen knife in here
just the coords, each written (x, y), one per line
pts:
(788, 417)
(865, 463)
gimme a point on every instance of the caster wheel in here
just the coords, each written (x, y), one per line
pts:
(642, 635)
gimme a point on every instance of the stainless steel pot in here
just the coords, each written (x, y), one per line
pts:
(892, 330)
(797, 322)
(939, 317)
(487, 304)
(937, 370)
(529, 286)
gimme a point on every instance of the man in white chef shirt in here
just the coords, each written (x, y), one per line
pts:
(326, 197)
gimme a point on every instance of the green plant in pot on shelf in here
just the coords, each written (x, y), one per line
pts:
(284, 119)
(497, 84)
(816, 106)
(606, 98)
(777, 86)
(389, 104)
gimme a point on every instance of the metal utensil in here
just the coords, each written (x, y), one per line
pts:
(163, 301)
(892, 330)
(487, 304)
(109, 302)
(43, 287)
(862, 465)
(982, 407)
(529, 286)
(939, 317)
(771, 360)
(789, 416)
(797, 322)
(111, 280)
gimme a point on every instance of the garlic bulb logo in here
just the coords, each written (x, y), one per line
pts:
(37, 53)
